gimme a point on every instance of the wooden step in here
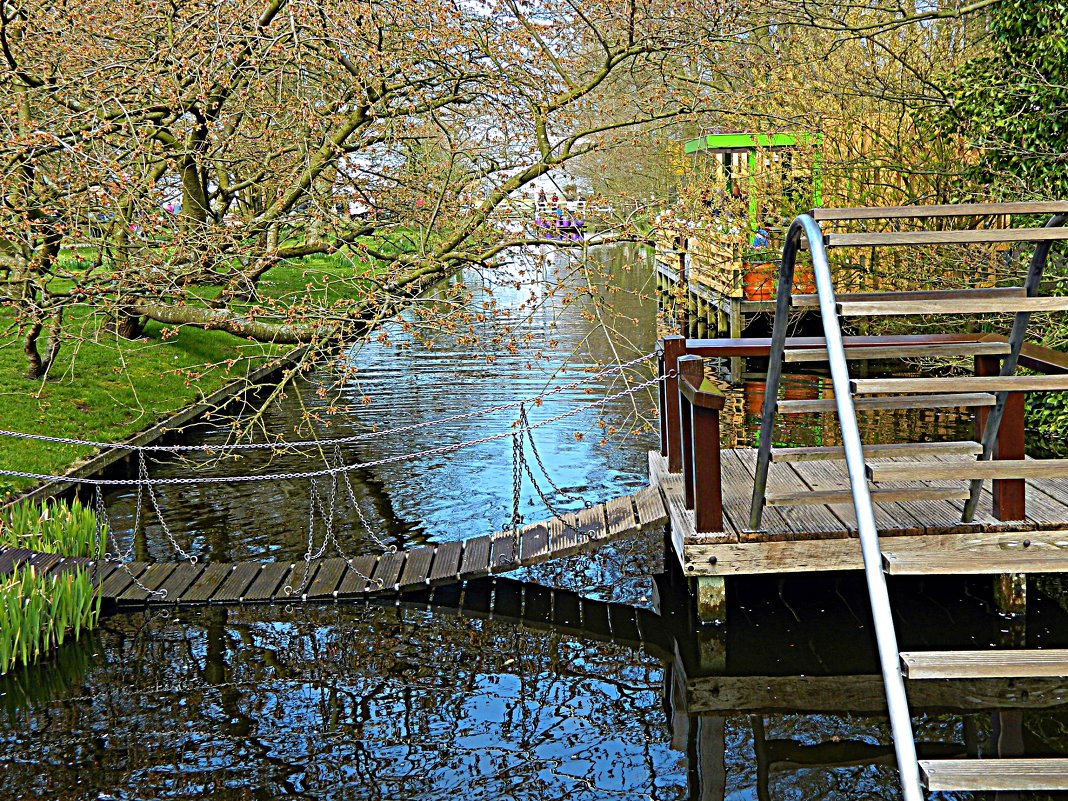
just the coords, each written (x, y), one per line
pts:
(977, 553)
(888, 495)
(964, 383)
(946, 775)
(951, 401)
(937, 351)
(1001, 664)
(941, 210)
(882, 308)
(966, 470)
(879, 451)
(925, 295)
(968, 237)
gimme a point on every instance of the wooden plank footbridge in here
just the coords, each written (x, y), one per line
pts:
(136, 584)
(907, 507)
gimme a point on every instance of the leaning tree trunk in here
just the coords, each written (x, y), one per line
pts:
(36, 365)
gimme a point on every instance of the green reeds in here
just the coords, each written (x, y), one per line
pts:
(37, 613)
(53, 527)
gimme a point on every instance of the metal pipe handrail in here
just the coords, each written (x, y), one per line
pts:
(885, 634)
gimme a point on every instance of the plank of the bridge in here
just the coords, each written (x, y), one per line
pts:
(564, 535)
(13, 558)
(534, 543)
(120, 578)
(446, 565)
(504, 551)
(297, 581)
(388, 570)
(650, 506)
(65, 565)
(204, 587)
(152, 579)
(476, 557)
(42, 563)
(417, 568)
(268, 583)
(328, 578)
(180, 580)
(239, 580)
(357, 577)
(620, 515)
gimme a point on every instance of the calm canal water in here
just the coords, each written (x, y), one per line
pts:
(408, 701)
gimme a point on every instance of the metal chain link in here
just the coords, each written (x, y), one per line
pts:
(233, 479)
(282, 445)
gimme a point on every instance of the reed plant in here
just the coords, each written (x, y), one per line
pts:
(38, 613)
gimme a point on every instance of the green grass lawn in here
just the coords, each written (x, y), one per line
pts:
(103, 387)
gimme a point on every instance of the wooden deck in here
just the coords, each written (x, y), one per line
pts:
(916, 537)
(361, 577)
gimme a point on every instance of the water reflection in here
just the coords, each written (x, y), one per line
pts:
(503, 690)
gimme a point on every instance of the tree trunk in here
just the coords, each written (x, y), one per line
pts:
(38, 367)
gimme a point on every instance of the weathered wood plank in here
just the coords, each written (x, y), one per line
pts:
(504, 551)
(966, 470)
(619, 512)
(388, 570)
(239, 580)
(12, 558)
(42, 563)
(121, 578)
(989, 664)
(947, 775)
(152, 579)
(970, 237)
(267, 584)
(207, 582)
(940, 210)
(534, 543)
(962, 306)
(297, 580)
(844, 554)
(937, 351)
(811, 454)
(446, 565)
(964, 383)
(650, 506)
(177, 582)
(828, 497)
(979, 562)
(565, 538)
(979, 293)
(358, 577)
(327, 578)
(956, 400)
(476, 557)
(417, 567)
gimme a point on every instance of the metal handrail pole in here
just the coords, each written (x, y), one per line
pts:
(885, 635)
(1008, 366)
(771, 382)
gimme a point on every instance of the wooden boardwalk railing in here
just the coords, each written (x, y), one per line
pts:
(138, 583)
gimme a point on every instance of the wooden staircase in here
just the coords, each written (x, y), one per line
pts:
(900, 472)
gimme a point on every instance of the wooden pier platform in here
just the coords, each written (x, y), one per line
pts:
(125, 585)
(919, 537)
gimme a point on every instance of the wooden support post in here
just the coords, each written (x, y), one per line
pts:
(671, 445)
(699, 406)
(1009, 494)
(711, 599)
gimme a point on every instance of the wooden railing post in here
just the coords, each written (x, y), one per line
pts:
(700, 402)
(1009, 493)
(671, 444)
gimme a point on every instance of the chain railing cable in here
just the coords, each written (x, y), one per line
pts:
(331, 470)
(317, 443)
